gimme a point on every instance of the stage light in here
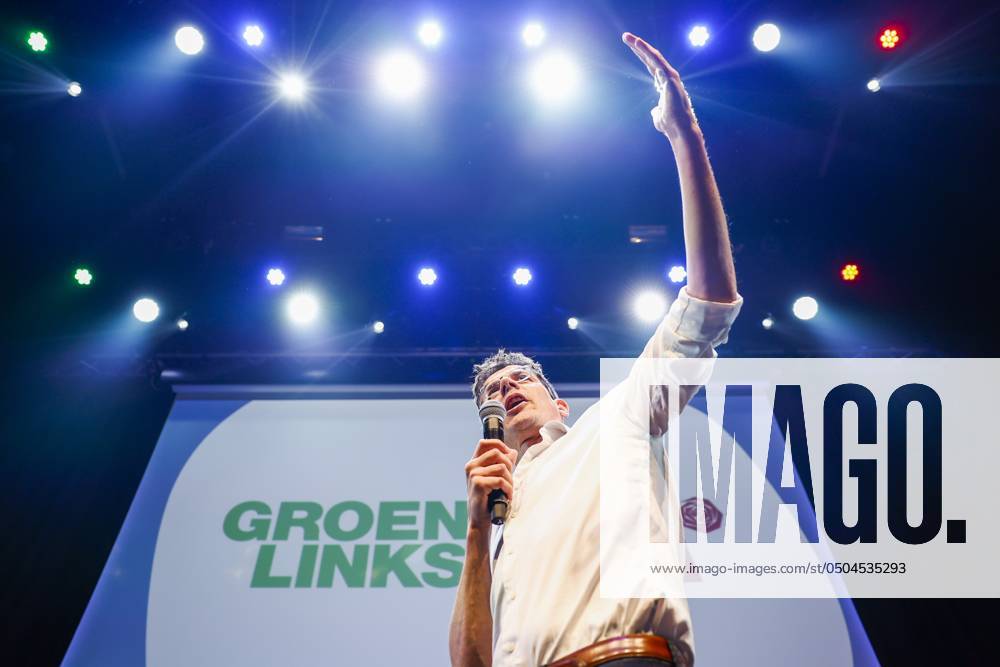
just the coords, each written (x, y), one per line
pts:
(649, 306)
(889, 38)
(400, 76)
(427, 276)
(767, 322)
(874, 85)
(430, 33)
(805, 308)
(554, 78)
(521, 276)
(698, 36)
(302, 308)
(37, 41)
(293, 86)
(183, 324)
(253, 35)
(766, 37)
(850, 272)
(533, 34)
(275, 277)
(83, 277)
(145, 310)
(189, 41)
(572, 323)
(677, 274)
(378, 326)
(74, 89)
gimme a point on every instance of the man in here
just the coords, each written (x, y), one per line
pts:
(532, 596)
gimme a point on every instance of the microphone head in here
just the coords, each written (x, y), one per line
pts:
(492, 409)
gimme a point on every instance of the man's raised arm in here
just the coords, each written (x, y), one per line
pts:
(711, 276)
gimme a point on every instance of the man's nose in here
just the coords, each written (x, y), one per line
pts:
(507, 384)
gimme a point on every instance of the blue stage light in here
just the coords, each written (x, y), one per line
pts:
(555, 78)
(573, 323)
(649, 306)
(378, 326)
(805, 308)
(145, 310)
(253, 35)
(302, 308)
(698, 36)
(74, 89)
(430, 33)
(275, 277)
(677, 274)
(400, 76)
(427, 276)
(189, 40)
(522, 276)
(533, 34)
(766, 37)
(293, 86)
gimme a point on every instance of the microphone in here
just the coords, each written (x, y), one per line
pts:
(492, 414)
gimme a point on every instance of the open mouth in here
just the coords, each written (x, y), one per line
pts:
(514, 404)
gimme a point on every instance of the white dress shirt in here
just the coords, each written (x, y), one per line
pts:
(545, 594)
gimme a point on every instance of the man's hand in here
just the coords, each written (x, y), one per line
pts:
(673, 115)
(491, 467)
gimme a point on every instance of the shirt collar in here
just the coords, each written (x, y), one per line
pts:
(550, 432)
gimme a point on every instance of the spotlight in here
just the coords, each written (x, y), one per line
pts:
(302, 308)
(430, 33)
(183, 324)
(850, 272)
(573, 323)
(189, 41)
(698, 36)
(767, 322)
(400, 76)
(146, 310)
(649, 306)
(253, 35)
(555, 78)
(889, 38)
(37, 41)
(805, 308)
(677, 274)
(427, 276)
(275, 277)
(533, 34)
(874, 85)
(293, 86)
(83, 277)
(766, 37)
(378, 326)
(522, 276)
(74, 89)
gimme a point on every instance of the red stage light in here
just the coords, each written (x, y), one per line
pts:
(849, 272)
(889, 38)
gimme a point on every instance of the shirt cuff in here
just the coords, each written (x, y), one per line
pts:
(701, 321)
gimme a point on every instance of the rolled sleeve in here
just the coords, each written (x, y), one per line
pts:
(699, 321)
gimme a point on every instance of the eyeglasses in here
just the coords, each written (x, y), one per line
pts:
(519, 376)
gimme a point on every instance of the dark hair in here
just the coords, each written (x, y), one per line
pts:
(502, 359)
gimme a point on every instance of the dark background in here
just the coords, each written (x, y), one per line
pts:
(177, 177)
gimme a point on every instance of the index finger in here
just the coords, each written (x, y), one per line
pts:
(651, 57)
(486, 445)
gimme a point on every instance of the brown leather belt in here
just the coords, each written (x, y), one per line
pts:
(652, 647)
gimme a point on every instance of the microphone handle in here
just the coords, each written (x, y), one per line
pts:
(497, 501)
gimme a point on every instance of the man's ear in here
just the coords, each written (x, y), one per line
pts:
(563, 407)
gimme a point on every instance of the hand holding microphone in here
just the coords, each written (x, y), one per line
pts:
(489, 474)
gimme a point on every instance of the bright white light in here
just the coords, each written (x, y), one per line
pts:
(649, 306)
(874, 85)
(74, 89)
(400, 76)
(767, 322)
(554, 78)
(427, 276)
(573, 323)
(253, 35)
(293, 86)
(533, 34)
(378, 326)
(183, 324)
(677, 274)
(430, 33)
(189, 40)
(275, 277)
(145, 310)
(302, 308)
(698, 36)
(522, 276)
(805, 308)
(766, 37)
